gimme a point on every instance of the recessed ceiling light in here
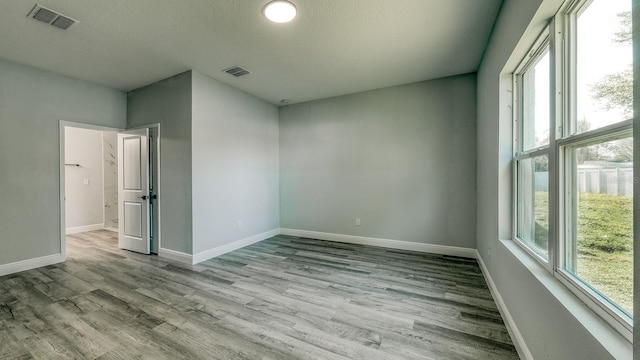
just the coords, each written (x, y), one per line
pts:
(280, 11)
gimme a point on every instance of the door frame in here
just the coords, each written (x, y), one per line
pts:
(158, 190)
(62, 125)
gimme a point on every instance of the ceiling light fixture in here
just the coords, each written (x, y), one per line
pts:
(280, 11)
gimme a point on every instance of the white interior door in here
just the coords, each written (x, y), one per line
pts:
(133, 190)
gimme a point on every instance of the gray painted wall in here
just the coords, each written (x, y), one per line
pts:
(402, 159)
(83, 202)
(32, 102)
(550, 331)
(168, 103)
(235, 164)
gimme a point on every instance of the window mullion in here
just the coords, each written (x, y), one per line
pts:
(556, 118)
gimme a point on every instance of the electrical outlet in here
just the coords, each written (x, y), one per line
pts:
(239, 224)
(358, 223)
(85, 181)
(489, 251)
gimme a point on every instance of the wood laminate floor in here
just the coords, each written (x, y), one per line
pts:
(282, 298)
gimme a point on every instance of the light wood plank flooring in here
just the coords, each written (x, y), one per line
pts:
(283, 298)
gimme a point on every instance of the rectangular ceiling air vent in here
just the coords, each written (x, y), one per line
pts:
(237, 71)
(51, 17)
(44, 15)
(62, 22)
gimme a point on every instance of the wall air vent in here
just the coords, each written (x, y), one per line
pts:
(51, 17)
(237, 71)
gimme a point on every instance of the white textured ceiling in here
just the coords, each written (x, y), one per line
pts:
(333, 47)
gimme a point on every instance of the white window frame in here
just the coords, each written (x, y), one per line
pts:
(539, 48)
(560, 38)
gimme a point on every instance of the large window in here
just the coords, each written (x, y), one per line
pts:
(573, 163)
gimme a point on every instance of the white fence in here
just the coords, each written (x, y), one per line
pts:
(600, 180)
(612, 181)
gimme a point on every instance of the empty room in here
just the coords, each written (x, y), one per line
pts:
(318, 179)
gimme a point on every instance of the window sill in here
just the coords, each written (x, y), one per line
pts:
(615, 343)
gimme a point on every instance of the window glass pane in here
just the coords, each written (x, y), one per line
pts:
(604, 64)
(535, 104)
(533, 204)
(600, 252)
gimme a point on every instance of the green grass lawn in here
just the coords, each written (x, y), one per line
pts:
(605, 240)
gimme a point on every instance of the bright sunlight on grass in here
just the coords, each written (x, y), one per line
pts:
(605, 240)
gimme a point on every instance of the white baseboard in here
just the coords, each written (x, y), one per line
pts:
(111, 229)
(175, 255)
(79, 229)
(515, 334)
(24, 265)
(386, 243)
(217, 251)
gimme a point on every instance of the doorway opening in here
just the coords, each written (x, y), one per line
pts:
(95, 179)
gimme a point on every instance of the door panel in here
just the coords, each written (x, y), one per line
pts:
(133, 190)
(132, 161)
(132, 220)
